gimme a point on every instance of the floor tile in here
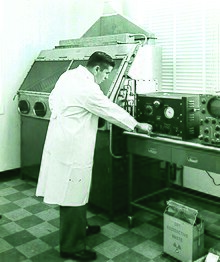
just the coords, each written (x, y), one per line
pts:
(48, 214)
(19, 238)
(5, 208)
(51, 239)
(55, 222)
(4, 220)
(12, 255)
(42, 229)
(95, 240)
(130, 239)
(23, 186)
(3, 201)
(33, 248)
(146, 230)
(4, 245)
(10, 228)
(25, 202)
(148, 250)
(110, 248)
(29, 221)
(50, 255)
(14, 182)
(29, 192)
(8, 191)
(29, 230)
(97, 220)
(15, 196)
(36, 208)
(112, 230)
(17, 214)
(3, 186)
(128, 255)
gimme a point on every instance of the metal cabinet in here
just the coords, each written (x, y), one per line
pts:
(33, 133)
(194, 158)
(149, 148)
(183, 153)
(109, 181)
(192, 154)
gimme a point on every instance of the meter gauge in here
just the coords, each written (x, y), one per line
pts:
(213, 107)
(169, 112)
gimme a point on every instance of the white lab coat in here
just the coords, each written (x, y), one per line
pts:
(76, 104)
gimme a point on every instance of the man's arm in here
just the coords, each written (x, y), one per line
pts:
(98, 104)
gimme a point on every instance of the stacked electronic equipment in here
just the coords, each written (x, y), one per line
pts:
(210, 119)
(182, 116)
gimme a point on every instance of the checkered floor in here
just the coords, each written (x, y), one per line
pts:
(29, 230)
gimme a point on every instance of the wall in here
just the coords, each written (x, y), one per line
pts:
(27, 27)
(189, 33)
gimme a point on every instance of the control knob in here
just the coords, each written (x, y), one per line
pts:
(217, 128)
(217, 135)
(149, 110)
(203, 101)
(206, 139)
(217, 141)
(200, 137)
(213, 121)
(206, 131)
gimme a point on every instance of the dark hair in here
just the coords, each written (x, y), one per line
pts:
(101, 59)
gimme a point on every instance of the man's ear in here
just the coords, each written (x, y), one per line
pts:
(97, 68)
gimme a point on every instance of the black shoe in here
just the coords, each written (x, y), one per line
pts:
(84, 255)
(91, 230)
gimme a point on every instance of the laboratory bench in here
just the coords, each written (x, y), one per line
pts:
(175, 153)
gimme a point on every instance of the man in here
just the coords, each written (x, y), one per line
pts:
(76, 103)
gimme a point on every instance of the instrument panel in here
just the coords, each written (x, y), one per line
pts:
(171, 114)
(210, 119)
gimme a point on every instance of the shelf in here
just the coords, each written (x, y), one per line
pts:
(156, 203)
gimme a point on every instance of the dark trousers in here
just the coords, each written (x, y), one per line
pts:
(72, 228)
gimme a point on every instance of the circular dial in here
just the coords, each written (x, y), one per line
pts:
(169, 112)
(149, 110)
(213, 106)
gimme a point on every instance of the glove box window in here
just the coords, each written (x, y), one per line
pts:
(43, 75)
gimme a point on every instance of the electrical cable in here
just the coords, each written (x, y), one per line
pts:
(111, 145)
(127, 88)
(212, 179)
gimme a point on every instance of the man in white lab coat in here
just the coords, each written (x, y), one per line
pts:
(76, 104)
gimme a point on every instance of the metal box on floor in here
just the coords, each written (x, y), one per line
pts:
(183, 232)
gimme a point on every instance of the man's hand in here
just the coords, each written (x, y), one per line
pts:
(144, 128)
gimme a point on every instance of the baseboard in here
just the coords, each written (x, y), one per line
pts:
(9, 174)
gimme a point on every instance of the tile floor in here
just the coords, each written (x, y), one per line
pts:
(29, 230)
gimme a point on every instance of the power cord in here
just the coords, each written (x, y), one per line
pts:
(212, 179)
